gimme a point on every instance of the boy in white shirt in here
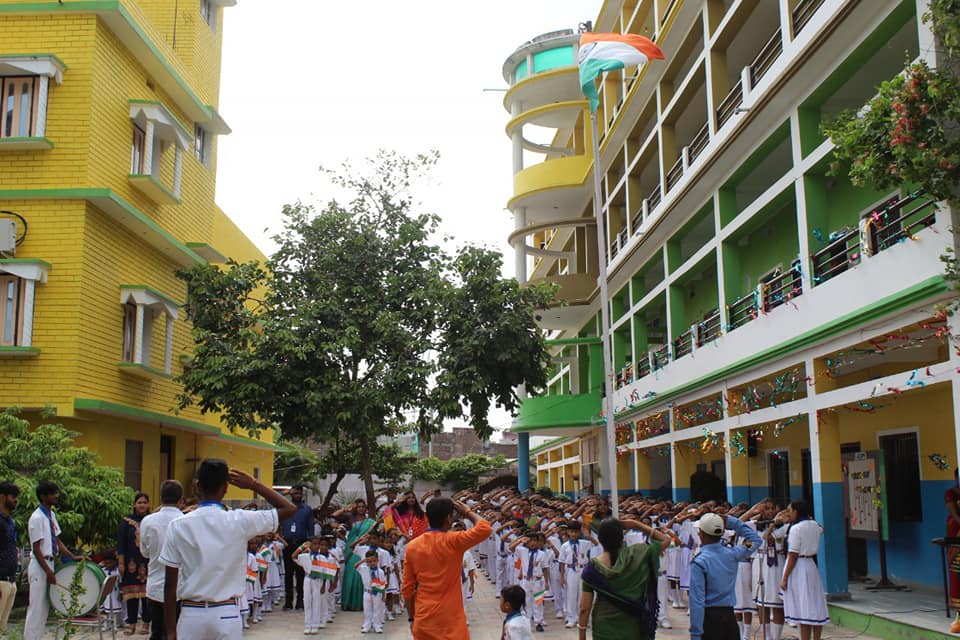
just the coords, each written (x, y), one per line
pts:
(574, 554)
(374, 585)
(320, 579)
(534, 573)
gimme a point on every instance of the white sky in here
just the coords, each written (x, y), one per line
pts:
(310, 83)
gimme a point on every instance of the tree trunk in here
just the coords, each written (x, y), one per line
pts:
(367, 475)
(332, 491)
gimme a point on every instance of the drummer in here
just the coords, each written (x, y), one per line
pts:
(46, 544)
(204, 552)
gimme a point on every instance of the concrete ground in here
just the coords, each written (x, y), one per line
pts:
(483, 614)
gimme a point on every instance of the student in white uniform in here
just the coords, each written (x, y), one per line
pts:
(374, 585)
(534, 574)
(112, 607)
(745, 606)
(516, 626)
(204, 553)
(772, 557)
(574, 554)
(45, 544)
(804, 602)
(153, 532)
(320, 574)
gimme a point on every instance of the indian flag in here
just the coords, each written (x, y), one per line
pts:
(601, 52)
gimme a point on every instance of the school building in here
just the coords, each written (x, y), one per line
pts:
(770, 320)
(108, 154)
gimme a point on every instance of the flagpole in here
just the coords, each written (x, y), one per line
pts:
(609, 422)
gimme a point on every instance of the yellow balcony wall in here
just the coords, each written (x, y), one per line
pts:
(551, 174)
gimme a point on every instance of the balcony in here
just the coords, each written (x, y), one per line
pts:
(544, 187)
(643, 366)
(742, 311)
(782, 288)
(729, 105)
(699, 142)
(710, 329)
(660, 357)
(683, 344)
(802, 14)
(558, 414)
(765, 59)
(674, 174)
(842, 252)
(653, 198)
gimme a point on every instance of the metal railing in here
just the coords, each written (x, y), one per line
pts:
(637, 220)
(782, 288)
(666, 13)
(803, 12)
(710, 329)
(614, 249)
(625, 376)
(699, 142)
(743, 310)
(674, 174)
(683, 344)
(653, 198)
(892, 224)
(643, 366)
(765, 59)
(728, 106)
(622, 237)
(661, 357)
(839, 255)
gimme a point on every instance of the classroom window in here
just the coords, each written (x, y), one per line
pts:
(11, 310)
(141, 307)
(133, 464)
(19, 99)
(901, 463)
(136, 154)
(129, 330)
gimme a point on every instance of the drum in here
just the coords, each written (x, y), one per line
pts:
(91, 584)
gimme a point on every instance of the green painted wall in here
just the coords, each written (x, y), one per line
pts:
(520, 72)
(701, 296)
(773, 243)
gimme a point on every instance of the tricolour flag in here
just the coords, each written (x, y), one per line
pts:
(601, 52)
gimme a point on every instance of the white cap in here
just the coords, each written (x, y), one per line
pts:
(711, 524)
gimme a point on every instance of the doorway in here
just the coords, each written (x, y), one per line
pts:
(856, 547)
(166, 458)
(778, 466)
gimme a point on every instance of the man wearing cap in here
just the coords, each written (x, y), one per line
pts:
(713, 576)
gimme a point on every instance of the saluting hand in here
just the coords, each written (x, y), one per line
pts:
(241, 479)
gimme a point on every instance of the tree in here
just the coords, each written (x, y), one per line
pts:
(93, 498)
(464, 472)
(365, 326)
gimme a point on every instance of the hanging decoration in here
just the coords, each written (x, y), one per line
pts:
(786, 387)
(939, 461)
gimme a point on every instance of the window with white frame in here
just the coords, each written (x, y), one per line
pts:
(141, 307)
(18, 282)
(136, 153)
(155, 130)
(208, 11)
(24, 88)
(201, 145)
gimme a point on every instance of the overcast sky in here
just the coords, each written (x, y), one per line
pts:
(308, 83)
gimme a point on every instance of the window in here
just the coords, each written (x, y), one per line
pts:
(141, 305)
(136, 155)
(11, 310)
(201, 145)
(901, 464)
(209, 13)
(133, 464)
(19, 104)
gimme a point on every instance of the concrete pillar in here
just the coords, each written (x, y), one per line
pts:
(825, 443)
(138, 336)
(148, 149)
(29, 294)
(523, 461)
(168, 346)
(520, 266)
(177, 171)
(42, 92)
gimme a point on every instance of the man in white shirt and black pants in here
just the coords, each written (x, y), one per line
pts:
(45, 544)
(204, 554)
(153, 532)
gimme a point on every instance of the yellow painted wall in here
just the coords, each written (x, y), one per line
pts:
(687, 461)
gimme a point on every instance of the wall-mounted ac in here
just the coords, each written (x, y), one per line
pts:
(8, 236)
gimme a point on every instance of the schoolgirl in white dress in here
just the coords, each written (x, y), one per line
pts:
(804, 601)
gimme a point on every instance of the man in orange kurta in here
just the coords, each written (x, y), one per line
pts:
(431, 572)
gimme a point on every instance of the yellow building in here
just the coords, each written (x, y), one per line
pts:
(108, 126)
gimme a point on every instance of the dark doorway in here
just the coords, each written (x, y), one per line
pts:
(806, 465)
(778, 465)
(901, 465)
(166, 458)
(856, 547)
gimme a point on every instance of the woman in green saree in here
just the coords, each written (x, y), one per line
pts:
(351, 595)
(621, 584)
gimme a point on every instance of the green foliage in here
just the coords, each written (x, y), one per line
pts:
(296, 464)
(366, 327)
(93, 498)
(909, 132)
(460, 473)
(945, 18)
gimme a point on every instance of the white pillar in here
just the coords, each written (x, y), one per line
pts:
(520, 267)
(148, 149)
(42, 92)
(26, 338)
(168, 346)
(177, 170)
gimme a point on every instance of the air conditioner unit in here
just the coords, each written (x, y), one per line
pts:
(8, 236)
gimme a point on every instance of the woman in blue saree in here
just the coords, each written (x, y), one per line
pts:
(351, 595)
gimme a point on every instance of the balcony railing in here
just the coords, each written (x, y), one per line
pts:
(643, 366)
(743, 310)
(683, 344)
(661, 357)
(728, 106)
(709, 329)
(653, 198)
(765, 59)
(666, 13)
(625, 376)
(782, 288)
(637, 220)
(900, 219)
(803, 12)
(614, 249)
(699, 142)
(674, 174)
(842, 252)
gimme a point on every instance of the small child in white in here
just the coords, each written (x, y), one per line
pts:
(374, 586)
(112, 606)
(254, 597)
(516, 626)
(320, 578)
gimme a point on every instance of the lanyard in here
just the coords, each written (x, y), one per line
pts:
(54, 540)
